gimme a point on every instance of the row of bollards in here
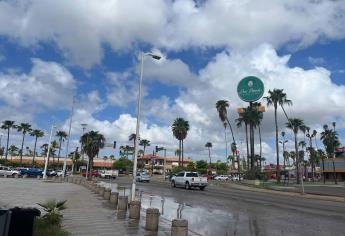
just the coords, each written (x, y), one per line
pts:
(179, 227)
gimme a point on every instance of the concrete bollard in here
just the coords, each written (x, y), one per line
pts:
(122, 203)
(113, 198)
(101, 191)
(106, 194)
(54, 178)
(134, 210)
(179, 227)
(152, 219)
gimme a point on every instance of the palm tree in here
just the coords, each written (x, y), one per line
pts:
(257, 119)
(7, 125)
(330, 140)
(244, 118)
(221, 107)
(277, 98)
(226, 140)
(13, 150)
(44, 149)
(37, 134)
(132, 137)
(177, 152)
(209, 146)
(180, 128)
(321, 155)
(295, 125)
(62, 136)
(145, 143)
(53, 146)
(24, 128)
(92, 142)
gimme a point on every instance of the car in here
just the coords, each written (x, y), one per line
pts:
(8, 171)
(51, 172)
(236, 178)
(188, 180)
(59, 173)
(109, 174)
(31, 172)
(143, 177)
(93, 174)
(221, 177)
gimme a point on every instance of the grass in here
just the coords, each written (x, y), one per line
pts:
(42, 228)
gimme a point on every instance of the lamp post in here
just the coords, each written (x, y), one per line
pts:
(48, 152)
(142, 56)
(283, 142)
(81, 149)
(69, 136)
(0, 144)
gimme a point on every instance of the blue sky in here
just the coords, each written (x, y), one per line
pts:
(56, 50)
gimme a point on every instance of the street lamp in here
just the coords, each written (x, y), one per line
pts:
(1, 134)
(49, 144)
(82, 150)
(142, 56)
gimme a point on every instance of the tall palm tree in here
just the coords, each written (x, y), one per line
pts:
(132, 137)
(180, 129)
(37, 134)
(7, 125)
(92, 142)
(177, 152)
(13, 150)
(62, 136)
(145, 143)
(244, 118)
(222, 106)
(257, 120)
(295, 125)
(53, 146)
(321, 155)
(209, 146)
(44, 149)
(330, 140)
(24, 128)
(226, 139)
(276, 98)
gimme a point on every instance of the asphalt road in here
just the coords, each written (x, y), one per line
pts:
(227, 211)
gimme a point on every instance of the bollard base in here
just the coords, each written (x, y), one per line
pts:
(179, 227)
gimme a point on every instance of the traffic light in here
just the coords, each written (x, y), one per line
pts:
(159, 148)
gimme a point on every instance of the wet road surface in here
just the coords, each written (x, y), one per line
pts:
(225, 211)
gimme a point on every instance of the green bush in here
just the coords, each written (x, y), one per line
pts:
(53, 208)
(42, 228)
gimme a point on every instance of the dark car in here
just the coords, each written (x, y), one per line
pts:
(93, 174)
(31, 172)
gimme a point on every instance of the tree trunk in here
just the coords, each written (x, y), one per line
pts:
(247, 143)
(209, 154)
(60, 141)
(33, 157)
(179, 154)
(182, 153)
(277, 144)
(323, 171)
(251, 137)
(232, 133)
(226, 145)
(8, 140)
(21, 150)
(297, 160)
(260, 145)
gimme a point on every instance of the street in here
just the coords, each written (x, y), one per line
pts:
(227, 211)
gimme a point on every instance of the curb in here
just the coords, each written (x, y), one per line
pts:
(294, 194)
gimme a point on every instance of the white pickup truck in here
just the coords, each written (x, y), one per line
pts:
(189, 180)
(4, 170)
(109, 174)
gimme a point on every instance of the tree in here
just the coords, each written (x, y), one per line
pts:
(295, 124)
(145, 143)
(37, 134)
(75, 157)
(190, 166)
(91, 143)
(208, 145)
(276, 98)
(201, 166)
(222, 106)
(244, 118)
(123, 164)
(180, 129)
(7, 125)
(13, 150)
(177, 152)
(330, 140)
(62, 135)
(321, 155)
(24, 128)
(44, 149)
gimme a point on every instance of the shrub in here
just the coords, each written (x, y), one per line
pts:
(53, 215)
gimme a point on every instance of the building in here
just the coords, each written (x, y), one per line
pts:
(160, 164)
(333, 167)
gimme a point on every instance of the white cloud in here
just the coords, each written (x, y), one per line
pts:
(48, 84)
(80, 28)
(316, 61)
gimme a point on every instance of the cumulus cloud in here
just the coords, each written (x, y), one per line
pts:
(80, 28)
(48, 84)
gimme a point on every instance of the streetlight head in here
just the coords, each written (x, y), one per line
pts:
(154, 56)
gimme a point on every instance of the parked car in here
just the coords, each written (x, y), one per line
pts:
(31, 172)
(51, 172)
(221, 177)
(8, 171)
(236, 178)
(109, 174)
(189, 180)
(93, 174)
(143, 177)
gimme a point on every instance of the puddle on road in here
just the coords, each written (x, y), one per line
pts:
(201, 220)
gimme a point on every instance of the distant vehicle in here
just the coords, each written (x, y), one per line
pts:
(59, 173)
(143, 177)
(51, 172)
(189, 180)
(4, 170)
(109, 174)
(236, 178)
(31, 172)
(221, 177)
(93, 174)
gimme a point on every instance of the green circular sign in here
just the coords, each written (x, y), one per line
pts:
(250, 89)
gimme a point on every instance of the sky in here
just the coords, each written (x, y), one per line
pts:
(52, 51)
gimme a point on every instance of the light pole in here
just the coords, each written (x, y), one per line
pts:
(142, 56)
(69, 136)
(283, 142)
(81, 149)
(0, 144)
(49, 144)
